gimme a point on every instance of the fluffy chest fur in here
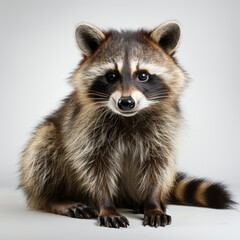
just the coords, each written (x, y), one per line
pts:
(120, 149)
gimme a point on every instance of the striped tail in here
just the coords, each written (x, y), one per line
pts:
(200, 192)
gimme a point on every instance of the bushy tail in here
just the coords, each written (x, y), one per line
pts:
(200, 192)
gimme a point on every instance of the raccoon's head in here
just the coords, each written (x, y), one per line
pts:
(129, 71)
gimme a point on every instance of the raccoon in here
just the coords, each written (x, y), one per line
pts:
(113, 141)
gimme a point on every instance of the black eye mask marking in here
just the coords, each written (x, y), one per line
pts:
(153, 88)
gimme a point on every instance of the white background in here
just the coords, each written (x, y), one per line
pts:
(37, 54)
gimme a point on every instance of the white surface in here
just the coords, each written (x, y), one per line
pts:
(17, 222)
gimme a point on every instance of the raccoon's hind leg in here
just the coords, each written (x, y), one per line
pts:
(43, 176)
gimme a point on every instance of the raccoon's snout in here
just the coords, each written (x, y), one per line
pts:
(128, 106)
(126, 103)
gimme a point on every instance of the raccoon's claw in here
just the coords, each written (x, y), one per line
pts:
(157, 220)
(81, 211)
(115, 222)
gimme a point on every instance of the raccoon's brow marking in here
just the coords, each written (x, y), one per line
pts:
(154, 69)
(100, 70)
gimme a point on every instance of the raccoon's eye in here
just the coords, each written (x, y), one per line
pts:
(112, 76)
(143, 76)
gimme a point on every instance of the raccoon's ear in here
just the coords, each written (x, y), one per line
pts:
(88, 38)
(167, 36)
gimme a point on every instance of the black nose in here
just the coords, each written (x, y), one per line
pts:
(126, 103)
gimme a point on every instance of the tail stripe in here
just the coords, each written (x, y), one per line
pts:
(191, 190)
(200, 195)
(180, 189)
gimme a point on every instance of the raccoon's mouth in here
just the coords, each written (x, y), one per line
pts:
(128, 113)
(124, 113)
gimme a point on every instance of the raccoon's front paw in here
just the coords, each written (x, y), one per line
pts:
(113, 221)
(81, 211)
(157, 220)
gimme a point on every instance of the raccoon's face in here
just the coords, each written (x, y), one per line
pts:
(129, 71)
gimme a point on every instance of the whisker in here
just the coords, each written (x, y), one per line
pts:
(98, 96)
(99, 93)
(158, 97)
(102, 99)
(158, 94)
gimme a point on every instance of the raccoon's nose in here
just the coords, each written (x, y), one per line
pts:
(126, 103)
